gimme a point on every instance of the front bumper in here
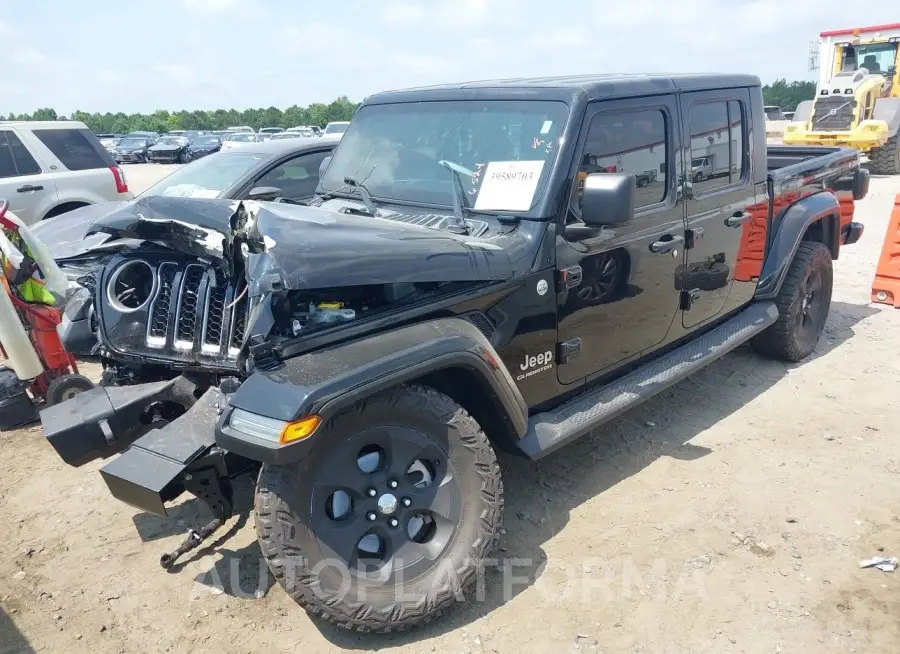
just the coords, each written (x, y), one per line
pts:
(129, 157)
(164, 157)
(154, 469)
(104, 421)
(866, 136)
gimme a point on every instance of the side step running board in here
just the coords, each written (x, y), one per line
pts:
(580, 415)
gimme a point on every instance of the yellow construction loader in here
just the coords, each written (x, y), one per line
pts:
(857, 100)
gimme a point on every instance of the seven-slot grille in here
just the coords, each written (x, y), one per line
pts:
(824, 120)
(192, 312)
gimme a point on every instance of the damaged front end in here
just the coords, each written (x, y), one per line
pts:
(218, 289)
(217, 275)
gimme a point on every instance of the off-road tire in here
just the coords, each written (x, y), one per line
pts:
(784, 340)
(886, 159)
(286, 540)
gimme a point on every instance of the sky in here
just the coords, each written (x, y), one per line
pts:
(139, 56)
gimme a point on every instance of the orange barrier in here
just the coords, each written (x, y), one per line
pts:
(886, 287)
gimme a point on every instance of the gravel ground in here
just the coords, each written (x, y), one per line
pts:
(728, 514)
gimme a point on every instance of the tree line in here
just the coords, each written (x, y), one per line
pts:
(164, 121)
(781, 92)
(788, 95)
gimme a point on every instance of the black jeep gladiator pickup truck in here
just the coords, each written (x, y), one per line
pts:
(479, 270)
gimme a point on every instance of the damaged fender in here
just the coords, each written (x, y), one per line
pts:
(324, 382)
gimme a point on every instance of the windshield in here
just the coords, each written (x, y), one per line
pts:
(207, 177)
(336, 128)
(501, 152)
(286, 135)
(170, 140)
(133, 143)
(874, 57)
(242, 136)
(205, 140)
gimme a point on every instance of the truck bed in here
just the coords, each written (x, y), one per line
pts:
(796, 171)
(788, 161)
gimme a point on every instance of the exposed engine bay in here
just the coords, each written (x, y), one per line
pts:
(303, 312)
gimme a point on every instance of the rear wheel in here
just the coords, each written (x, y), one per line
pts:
(886, 159)
(803, 303)
(388, 519)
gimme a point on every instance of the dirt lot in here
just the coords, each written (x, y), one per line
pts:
(727, 515)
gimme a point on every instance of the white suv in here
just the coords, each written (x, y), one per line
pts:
(50, 167)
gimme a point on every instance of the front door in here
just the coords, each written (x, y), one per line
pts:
(625, 300)
(719, 189)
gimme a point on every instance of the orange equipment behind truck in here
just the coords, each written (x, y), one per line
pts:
(886, 286)
(53, 377)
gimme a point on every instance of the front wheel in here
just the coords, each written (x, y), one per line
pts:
(388, 519)
(886, 159)
(803, 303)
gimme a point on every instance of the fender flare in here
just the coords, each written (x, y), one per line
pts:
(791, 226)
(888, 110)
(325, 382)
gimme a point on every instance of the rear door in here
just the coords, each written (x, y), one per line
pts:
(716, 128)
(83, 171)
(23, 179)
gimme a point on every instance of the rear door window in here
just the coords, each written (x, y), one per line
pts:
(15, 159)
(77, 149)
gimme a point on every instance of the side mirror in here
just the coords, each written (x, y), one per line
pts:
(264, 193)
(323, 166)
(608, 199)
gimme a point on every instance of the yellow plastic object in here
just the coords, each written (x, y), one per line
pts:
(299, 429)
(331, 305)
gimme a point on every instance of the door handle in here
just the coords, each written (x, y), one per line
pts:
(29, 187)
(738, 219)
(662, 246)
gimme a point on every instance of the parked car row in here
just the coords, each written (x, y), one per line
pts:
(182, 146)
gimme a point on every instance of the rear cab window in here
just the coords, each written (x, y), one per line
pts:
(77, 149)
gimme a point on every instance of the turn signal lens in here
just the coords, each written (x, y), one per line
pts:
(299, 429)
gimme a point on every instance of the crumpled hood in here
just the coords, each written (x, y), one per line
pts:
(283, 246)
(65, 235)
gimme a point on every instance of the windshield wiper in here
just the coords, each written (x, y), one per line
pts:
(364, 194)
(461, 226)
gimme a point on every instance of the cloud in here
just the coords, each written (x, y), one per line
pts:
(107, 77)
(205, 7)
(178, 74)
(403, 13)
(28, 56)
(245, 53)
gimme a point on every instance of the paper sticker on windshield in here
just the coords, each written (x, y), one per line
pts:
(205, 193)
(508, 185)
(545, 129)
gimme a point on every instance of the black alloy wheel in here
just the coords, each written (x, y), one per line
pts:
(387, 520)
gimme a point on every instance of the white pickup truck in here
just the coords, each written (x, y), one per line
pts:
(50, 167)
